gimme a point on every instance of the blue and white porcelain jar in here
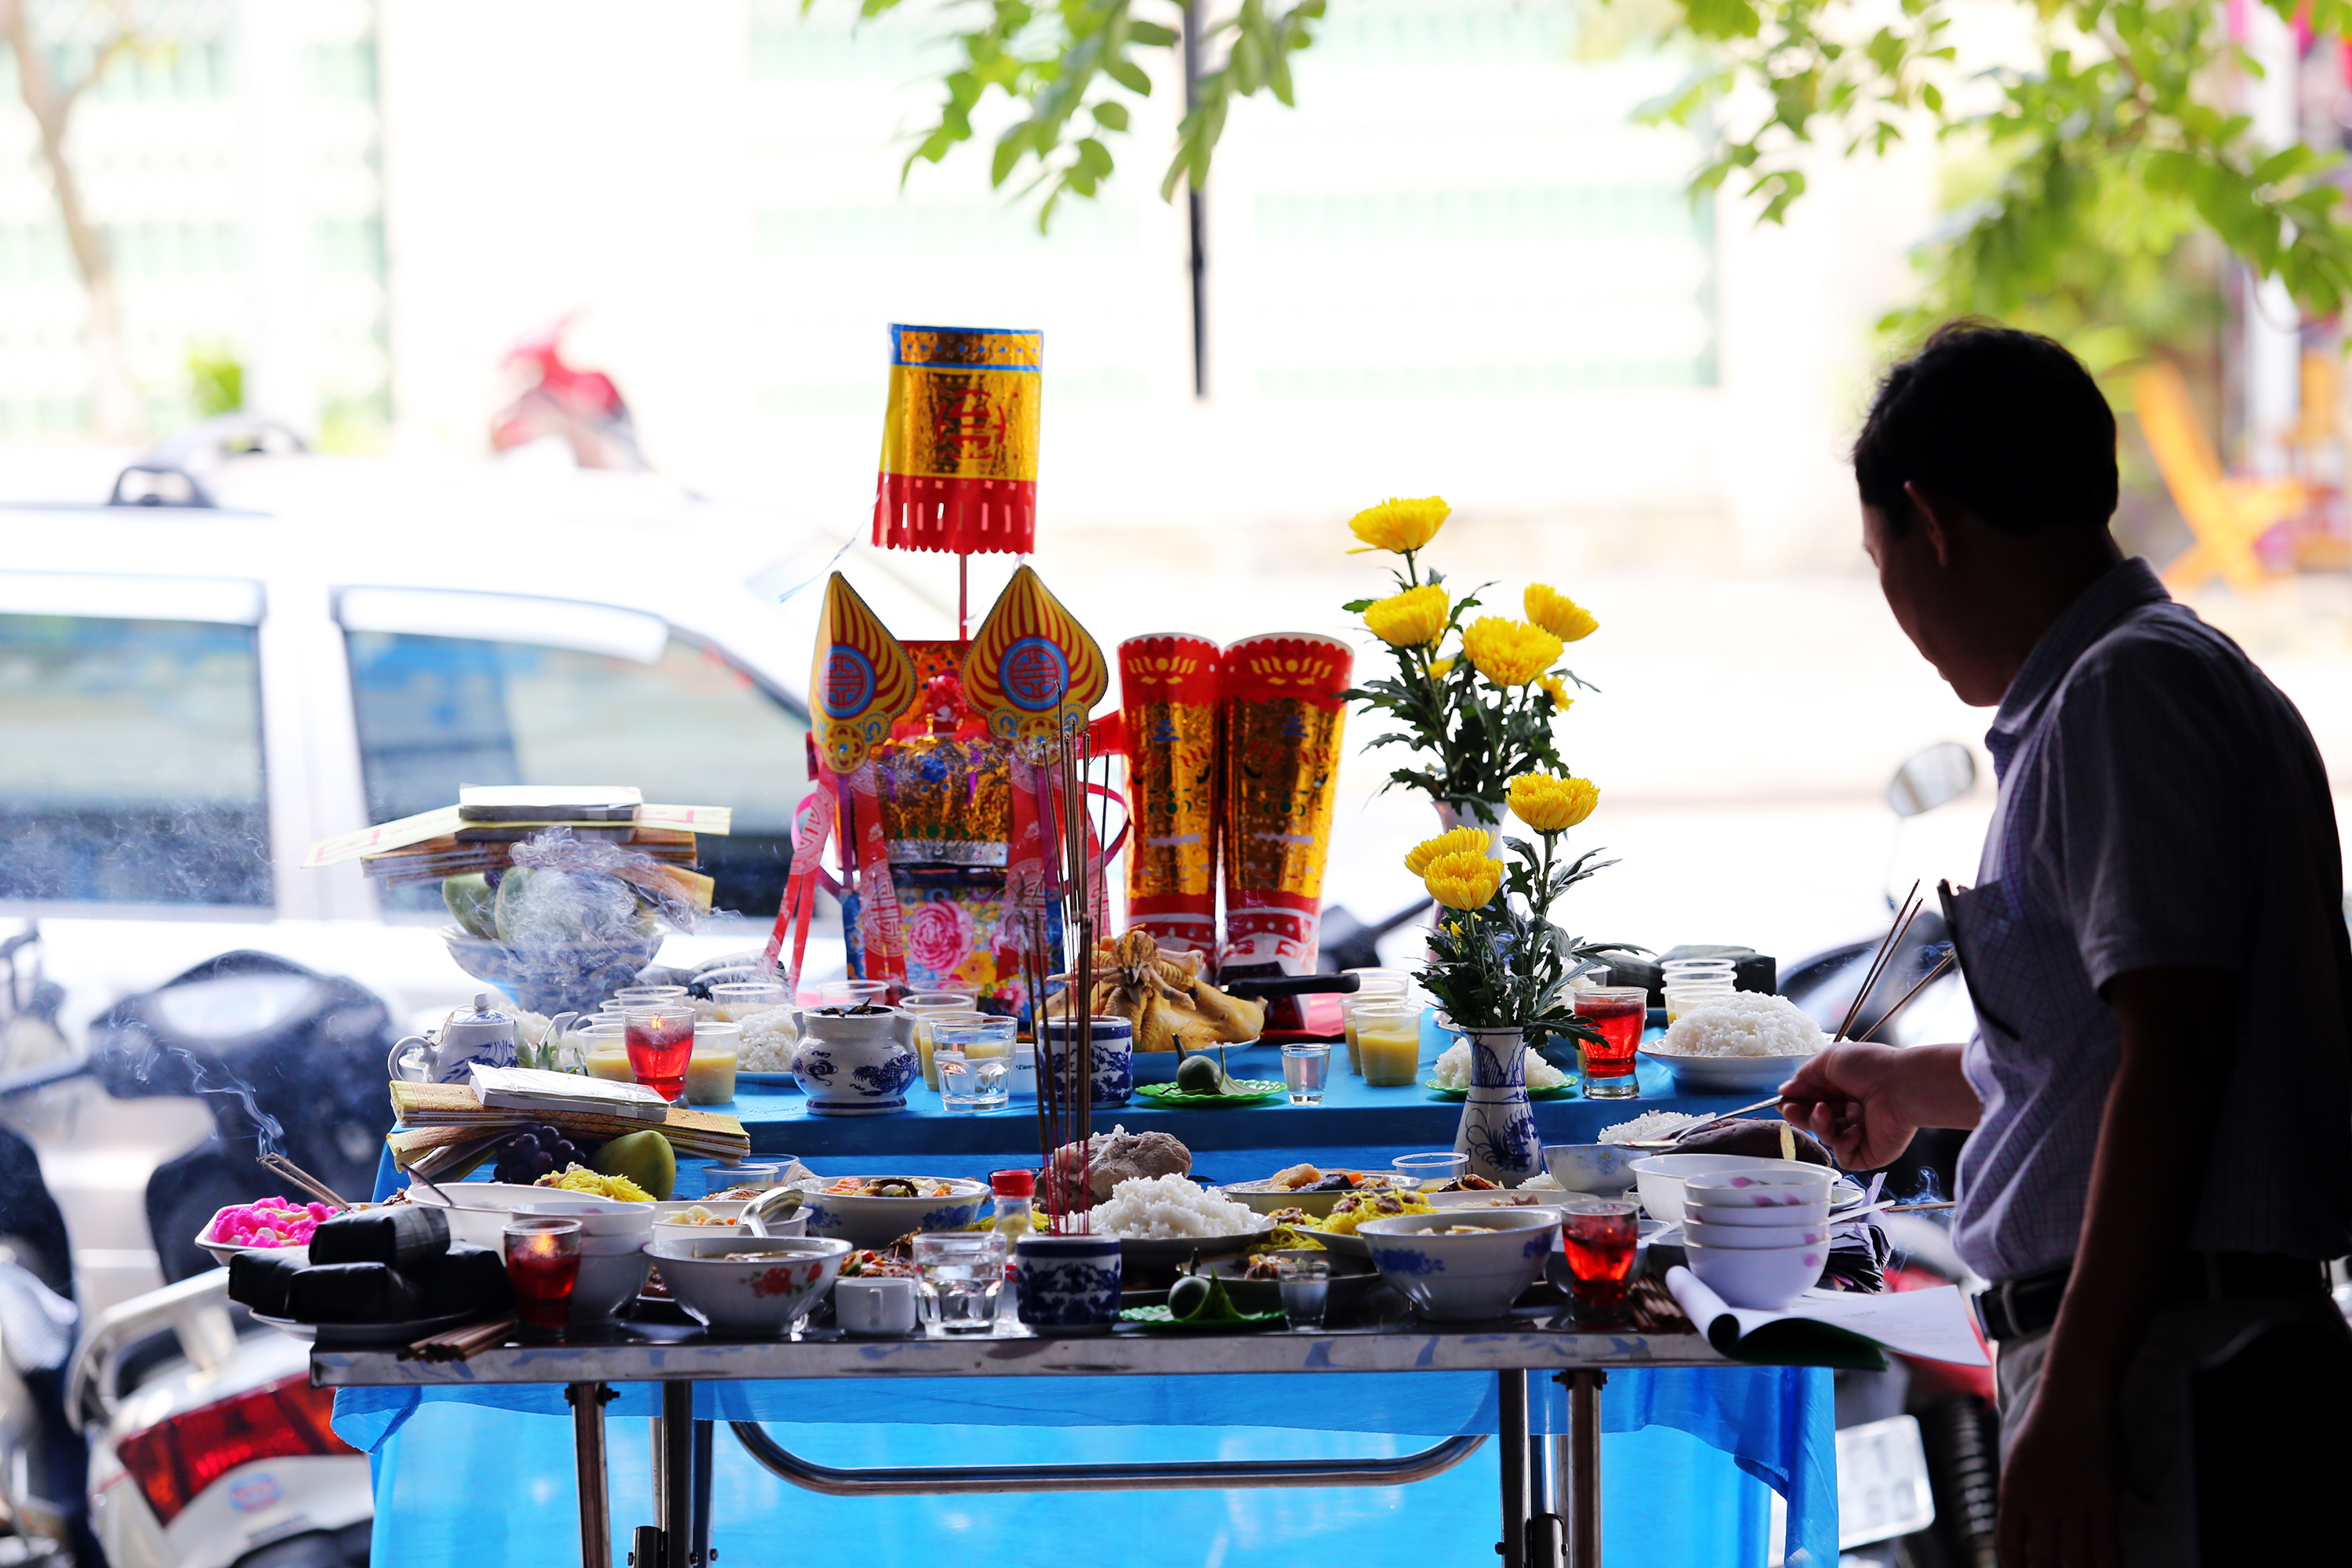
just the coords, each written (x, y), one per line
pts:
(1498, 1124)
(1114, 1058)
(856, 1061)
(1068, 1284)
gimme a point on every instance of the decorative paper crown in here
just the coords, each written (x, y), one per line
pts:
(861, 682)
(1033, 671)
(959, 442)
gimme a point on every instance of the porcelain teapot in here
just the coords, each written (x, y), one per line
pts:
(856, 1061)
(485, 1036)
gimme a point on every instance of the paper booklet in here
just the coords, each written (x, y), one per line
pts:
(530, 1088)
(1835, 1328)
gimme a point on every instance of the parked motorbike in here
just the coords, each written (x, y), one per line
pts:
(1957, 1428)
(581, 408)
(287, 1058)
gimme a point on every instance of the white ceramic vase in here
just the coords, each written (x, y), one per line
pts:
(1498, 1124)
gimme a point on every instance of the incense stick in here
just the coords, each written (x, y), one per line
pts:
(1941, 964)
(303, 1179)
(1904, 917)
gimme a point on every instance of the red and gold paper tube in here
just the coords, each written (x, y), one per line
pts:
(1168, 687)
(959, 441)
(1283, 720)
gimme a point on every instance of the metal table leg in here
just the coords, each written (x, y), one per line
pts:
(1511, 1397)
(698, 1554)
(673, 1455)
(1578, 1493)
(587, 1401)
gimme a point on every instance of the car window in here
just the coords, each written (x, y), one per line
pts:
(686, 727)
(131, 762)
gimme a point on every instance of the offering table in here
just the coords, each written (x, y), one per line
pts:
(1681, 1414)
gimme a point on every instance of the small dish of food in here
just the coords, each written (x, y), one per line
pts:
(1308, 1187)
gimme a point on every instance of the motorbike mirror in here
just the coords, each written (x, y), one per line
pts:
(1936, 776)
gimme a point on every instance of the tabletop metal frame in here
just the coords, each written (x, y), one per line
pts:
(1550, 1490)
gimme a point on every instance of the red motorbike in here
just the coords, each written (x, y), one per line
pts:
(554, 398)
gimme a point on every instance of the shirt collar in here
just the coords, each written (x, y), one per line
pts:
(2125, 587)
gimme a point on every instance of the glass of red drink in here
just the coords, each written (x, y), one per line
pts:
(660, 1041)
(1599, 1236)
(1619, 1012)
(543, 1264)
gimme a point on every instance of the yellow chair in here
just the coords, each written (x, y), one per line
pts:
(2227, 514)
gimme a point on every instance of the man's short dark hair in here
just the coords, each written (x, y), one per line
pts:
(2007, 424)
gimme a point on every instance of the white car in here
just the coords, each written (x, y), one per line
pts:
(189, 697)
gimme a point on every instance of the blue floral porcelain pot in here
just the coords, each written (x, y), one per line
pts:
(1068, 1284)
(1499, 1125)
(855, 1063)
(1114, 1058)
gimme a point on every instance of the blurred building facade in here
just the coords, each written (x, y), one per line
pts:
(1459, 265)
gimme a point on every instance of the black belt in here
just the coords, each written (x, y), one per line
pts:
(2011, 1309)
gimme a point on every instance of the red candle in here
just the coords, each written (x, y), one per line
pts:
(1599, 1236)
(660, 1042)
(543, 1264)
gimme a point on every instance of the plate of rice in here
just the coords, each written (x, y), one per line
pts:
(1747, 1043)
(1160, 1221)
(765, 1053)
(1449, 1077)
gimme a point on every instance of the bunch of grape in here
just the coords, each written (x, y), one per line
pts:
(533, 1153)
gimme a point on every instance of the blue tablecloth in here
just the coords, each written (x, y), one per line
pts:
(1686, 1457)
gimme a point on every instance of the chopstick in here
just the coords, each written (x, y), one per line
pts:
(303, 1179)
(1941, 964)
(1903, 918)
(462, 1343)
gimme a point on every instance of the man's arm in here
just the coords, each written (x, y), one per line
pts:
(1864, 1101)
(2058, 1487)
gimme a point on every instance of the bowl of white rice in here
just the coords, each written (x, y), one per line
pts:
(1161, 1220)
(1746, 1042)
(765, 1053)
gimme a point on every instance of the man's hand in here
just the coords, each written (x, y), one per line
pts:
(2058, 1485)
(1864, 1101)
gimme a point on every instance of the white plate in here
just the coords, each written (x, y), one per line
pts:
(334, 1336)
(1727, 1074)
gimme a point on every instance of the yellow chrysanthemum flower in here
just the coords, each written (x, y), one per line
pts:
(1464, 881)
(1439, 669)
(1549, 804)
(1414, 618)
(1509, 653)
(1558, 614)
(1400, 525)
(1454, 841)
(1557, 690)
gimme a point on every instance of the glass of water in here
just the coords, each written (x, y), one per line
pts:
(959, 1274)
(967, 1086)
(1305, 1290)
(1304, 1069)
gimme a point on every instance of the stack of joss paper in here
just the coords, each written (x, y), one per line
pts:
(444, 1131)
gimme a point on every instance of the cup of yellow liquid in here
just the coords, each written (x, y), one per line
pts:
(710, 1070)
(1388, 1041)
(1372, 985)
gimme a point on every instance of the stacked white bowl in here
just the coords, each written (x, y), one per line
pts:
(1758, 1238)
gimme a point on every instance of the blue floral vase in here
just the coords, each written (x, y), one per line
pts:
(1498, 1124)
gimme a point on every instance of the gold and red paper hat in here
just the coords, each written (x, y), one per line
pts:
(959, 441)
(1168, 684)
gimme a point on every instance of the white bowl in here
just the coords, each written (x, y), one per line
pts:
(608, 1282)
(597, 1217)
(1748, 1238)
(878, 1222)
(223, 1251)
(753, 1298)
(1661, 1176)
(1727, 1074)
(1745, 1215)
(1604, 1169)
(1460, 1279)
(1795, 1189)
(482, 1209)
(1763, 1279)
